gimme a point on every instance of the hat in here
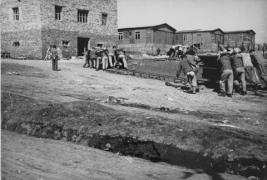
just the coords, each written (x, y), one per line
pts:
(237, 50)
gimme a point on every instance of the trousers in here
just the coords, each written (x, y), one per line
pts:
(227, 77)
(54, 64)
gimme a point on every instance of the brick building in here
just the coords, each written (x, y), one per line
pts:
(239, 38)
(30, 26)
(146, 39)
(206, 40)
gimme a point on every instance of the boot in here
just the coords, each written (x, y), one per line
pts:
(194, 90)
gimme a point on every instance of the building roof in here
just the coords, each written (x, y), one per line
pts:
(239, 31)
(146, 27)
(198, 30)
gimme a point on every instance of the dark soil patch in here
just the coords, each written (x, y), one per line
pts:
(194, 145)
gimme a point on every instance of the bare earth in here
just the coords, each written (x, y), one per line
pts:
(31, 158)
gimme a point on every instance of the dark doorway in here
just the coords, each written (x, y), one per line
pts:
(82, 44)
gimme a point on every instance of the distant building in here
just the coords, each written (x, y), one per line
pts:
(147, 39)
(28, 27)
(239, 38)
(206, 40)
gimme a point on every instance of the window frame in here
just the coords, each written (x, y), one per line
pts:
(241, 36)
(137, 35)
(185, 37)
(229, 37)
(15, 11)
(121, 36)
(199, 37)
(16, 44)
(82, 16)
(104, 19)
(65, 43)
(58, 14)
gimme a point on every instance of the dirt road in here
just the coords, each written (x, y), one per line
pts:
(217, 127)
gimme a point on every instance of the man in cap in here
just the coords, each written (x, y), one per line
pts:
(239, 71)
(189, 66)
(226, 73)
(54, 56)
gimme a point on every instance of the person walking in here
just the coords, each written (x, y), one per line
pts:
(54, 56)
(239, 71)
(226, 74)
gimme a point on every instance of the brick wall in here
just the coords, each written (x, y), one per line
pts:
(37, 28)
(29, 43)
(55, 37)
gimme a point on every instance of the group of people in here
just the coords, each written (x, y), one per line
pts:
(178, 51)
(236, 66)
(112, 57)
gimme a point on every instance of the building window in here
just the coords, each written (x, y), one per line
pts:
(177, 37)
(199, 37)
(137, 35)
(233, 43)
(185, 37)
(58, 11)
(229, 37)
(65, 43)
(120, 35)
(241, 36)
(15, 13)
(16, 43)
(104, 19)
(83, 16)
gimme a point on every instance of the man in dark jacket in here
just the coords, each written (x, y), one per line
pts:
(187, 65)
(226, 74)
(87, 58)
(54, 56)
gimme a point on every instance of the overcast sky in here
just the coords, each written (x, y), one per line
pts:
(227, 15)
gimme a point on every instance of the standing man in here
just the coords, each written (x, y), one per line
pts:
(54, 56)
(238, 67)
(158, 51)
(98, 53)
(87, 56)
(226, 74)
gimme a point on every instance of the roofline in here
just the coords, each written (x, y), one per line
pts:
(241, 31)
(198, 31)
(146, 27)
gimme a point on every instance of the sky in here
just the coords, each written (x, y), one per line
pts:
(228, 15)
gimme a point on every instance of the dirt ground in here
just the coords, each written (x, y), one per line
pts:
(200, 123)
(24, 157)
